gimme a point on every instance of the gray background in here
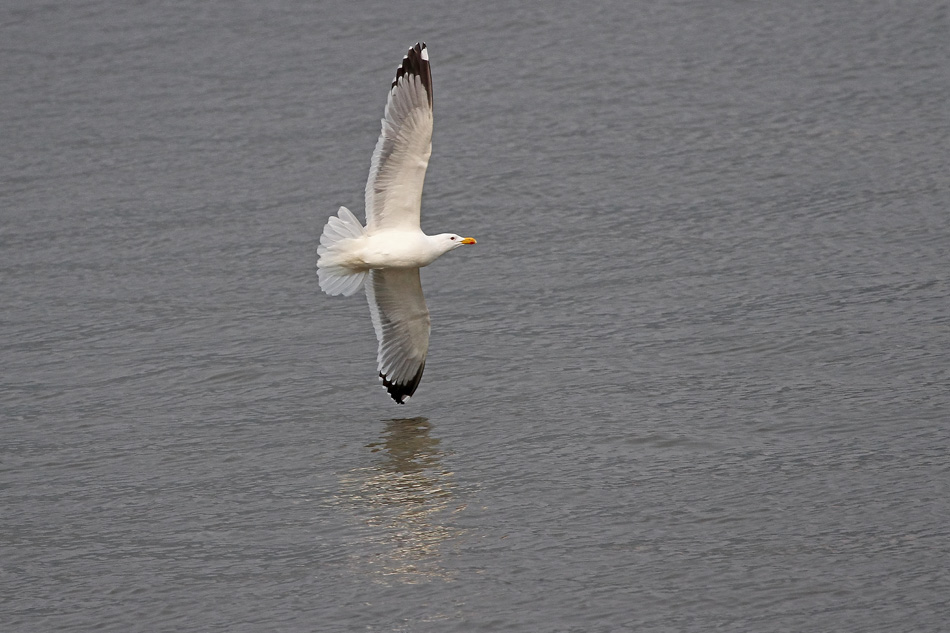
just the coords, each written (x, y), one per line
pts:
(693, 377)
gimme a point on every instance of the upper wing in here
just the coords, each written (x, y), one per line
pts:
(398, 168)
(401, 320)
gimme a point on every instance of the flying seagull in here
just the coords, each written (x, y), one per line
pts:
(385, 256)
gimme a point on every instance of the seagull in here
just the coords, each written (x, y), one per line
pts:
(385, 256)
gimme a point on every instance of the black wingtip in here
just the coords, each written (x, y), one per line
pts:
(402, 391)
(416, 62)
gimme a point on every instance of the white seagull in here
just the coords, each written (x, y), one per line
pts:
(392, 248)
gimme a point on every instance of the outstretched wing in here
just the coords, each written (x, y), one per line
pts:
(398, 168)
(401, 320)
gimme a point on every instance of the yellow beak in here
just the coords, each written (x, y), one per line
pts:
(469, 240)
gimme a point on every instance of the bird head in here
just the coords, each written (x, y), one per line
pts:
(453, 241)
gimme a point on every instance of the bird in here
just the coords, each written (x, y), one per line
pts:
(385, 256)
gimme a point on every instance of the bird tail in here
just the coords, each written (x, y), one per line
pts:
(336, 277)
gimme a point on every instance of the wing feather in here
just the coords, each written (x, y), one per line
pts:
(401, 320)
(398, 168)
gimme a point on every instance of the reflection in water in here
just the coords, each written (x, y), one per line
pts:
(404, 500)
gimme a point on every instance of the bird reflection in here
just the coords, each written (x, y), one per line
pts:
(405, 499)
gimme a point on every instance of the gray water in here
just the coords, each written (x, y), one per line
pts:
(693, 377)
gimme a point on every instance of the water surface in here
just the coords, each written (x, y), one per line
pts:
(694, 376)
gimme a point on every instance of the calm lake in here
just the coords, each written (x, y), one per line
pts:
(695, 375)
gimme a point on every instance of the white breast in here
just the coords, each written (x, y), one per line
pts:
(399, 249)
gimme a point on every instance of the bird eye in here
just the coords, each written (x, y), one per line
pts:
(452, 238)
